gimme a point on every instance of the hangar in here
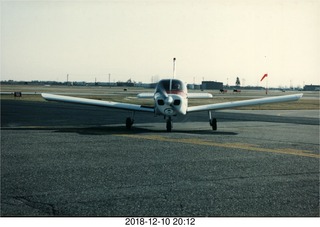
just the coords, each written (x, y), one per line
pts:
(311, 88)
(211, 85)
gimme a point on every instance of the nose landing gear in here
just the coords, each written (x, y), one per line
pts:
(169, 124)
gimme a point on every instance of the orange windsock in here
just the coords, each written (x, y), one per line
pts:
(264, 76)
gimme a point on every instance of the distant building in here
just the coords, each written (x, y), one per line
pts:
(311, 88)
(194, 86)
(129, 83)
(211, 85)
(125, 84)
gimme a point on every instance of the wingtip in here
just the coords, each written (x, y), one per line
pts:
(44, 95)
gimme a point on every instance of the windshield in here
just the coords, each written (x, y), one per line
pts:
(176, 85)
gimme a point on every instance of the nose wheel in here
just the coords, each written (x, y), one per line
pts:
(169, 124)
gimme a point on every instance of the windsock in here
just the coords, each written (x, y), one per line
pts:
(264, 76)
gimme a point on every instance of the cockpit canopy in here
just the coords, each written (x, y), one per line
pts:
(171, 85)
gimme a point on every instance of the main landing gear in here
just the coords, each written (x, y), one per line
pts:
(212, 121)
(129, 121)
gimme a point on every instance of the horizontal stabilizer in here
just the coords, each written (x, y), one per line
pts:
(199, 95)
(145, 95)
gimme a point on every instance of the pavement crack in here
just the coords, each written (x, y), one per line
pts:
(265, 176)
(46, 208)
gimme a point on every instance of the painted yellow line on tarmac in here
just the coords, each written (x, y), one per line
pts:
(242, 146)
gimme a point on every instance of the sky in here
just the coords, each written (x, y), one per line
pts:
(216, 40)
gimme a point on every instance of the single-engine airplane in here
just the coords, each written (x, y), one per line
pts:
(171, 99)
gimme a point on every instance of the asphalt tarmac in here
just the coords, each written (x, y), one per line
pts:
(69, 160)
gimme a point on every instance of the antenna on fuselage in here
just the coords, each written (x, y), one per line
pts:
(174, 73)
(174, 67)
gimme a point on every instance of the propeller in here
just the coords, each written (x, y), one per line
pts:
(162, 91)
(167, 99)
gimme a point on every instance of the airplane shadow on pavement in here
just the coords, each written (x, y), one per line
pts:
(115, 130)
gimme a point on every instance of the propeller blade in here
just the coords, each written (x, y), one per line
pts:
(163, 92)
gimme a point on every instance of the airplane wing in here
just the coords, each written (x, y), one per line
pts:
(199, 95)
(92, 102)
(250, 102)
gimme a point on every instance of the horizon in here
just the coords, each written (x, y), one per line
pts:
(107, 83)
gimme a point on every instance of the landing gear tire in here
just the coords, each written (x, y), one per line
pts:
(129, 123)
(169, 125)
(213, 123)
